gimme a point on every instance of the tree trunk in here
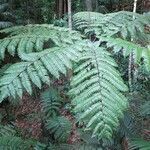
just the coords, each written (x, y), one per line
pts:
(70, 72)
(61, 8)
(69, 15)
(131, 59)
(88, 4)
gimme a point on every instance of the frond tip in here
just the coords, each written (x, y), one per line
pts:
(96, 90)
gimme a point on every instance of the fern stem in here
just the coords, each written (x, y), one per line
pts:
(130, 72)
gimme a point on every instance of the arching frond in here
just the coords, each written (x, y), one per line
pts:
(30, 38)
(128, 47)
(118, 23)
(36, 69)
(97, 87)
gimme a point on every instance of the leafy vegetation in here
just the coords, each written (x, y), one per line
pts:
(70, 86)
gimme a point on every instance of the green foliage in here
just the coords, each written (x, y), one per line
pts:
(51, 102)
(112, 24)
(67, 147)
(97, 88)
(46, 51)
(127, 48)
(76, 147)
(127, 126)
(9, 140)
(139, 144)
(30, 38)
(60, 127)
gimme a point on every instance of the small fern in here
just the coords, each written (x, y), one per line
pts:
(60, 127)
(97, 87)
(51, 102)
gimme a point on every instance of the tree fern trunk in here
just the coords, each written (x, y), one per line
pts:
(131, 59)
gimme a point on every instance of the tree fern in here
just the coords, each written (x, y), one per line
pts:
(30, 38)
(36, 69)
(97, 88)
(60, 127)
(51, 102)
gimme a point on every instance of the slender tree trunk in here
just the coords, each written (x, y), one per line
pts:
(70, 72)
(61, 8)
(88, 4)
(69, 15)
(134, 7)
(131, 60)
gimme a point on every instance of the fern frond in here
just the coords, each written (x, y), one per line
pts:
(10, 140)
(74, 147)
(145, 109)
(97, 88)
(127, 126)
(128, 47)
(60, 127)
(14, 143)
(111, 24)
(51, 102)
(36, 69)
(30, 38)
(7, 130)
(139, 144)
